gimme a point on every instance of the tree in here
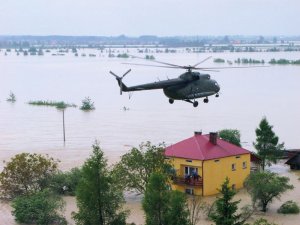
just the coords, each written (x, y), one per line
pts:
(65, 182)
(163, 206)
(225, 211)
(178, 213)
(12, 97)
(98, 195)
(137, 165)
(231, 135)
(267, 145)
(40, 208)
(26, 173)
(155, 201)
(87, 104)
(265, 186)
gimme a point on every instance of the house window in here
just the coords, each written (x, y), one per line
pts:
(188, 160)
(217, 160)
(188, 170)
(233, 187)
(237, 157)
(189, 191)
(233, 166)
(244, 165)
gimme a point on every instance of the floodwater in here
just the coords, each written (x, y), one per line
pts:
(246, 96)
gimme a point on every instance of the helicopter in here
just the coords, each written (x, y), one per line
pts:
(188, 87)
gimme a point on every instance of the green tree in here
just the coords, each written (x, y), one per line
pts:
(26, 173)
(225, 208)
(99, 198)
(233, 136)
(265, 186)
(39, 208)
(65, 182)
(155, 201)
(137, 165)
(163, 206)
(87, 104)
(267, 145)
(12, 97)
(178, 212)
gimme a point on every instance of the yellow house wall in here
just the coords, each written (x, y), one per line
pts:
(214, 173)
(179, 164)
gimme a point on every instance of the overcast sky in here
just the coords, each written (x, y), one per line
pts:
(155, 17)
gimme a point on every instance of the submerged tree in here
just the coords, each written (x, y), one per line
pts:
(163, 206)
(267, 146)
(26, 173)
(41, 208)
(233, 136)
(265, 186)
(87, 104)
(98, 195)
(226, 208)
(137, 165)
(12, 97)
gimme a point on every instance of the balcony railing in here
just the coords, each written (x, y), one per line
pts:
(191, 181)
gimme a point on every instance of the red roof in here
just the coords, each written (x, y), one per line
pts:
(199, 147)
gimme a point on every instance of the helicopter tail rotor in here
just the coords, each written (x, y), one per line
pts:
(123, 87)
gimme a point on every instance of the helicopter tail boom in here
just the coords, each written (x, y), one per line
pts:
(122, 86)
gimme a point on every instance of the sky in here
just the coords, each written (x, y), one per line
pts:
(149, 17)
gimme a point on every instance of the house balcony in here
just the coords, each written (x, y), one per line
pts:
(197, 182)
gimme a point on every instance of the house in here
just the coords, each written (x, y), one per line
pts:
(202, 162)
(294, 162)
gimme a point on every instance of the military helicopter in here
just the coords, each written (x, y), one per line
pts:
(187, 87)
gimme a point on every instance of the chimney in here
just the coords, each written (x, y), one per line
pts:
(197, 133)
(213, 137)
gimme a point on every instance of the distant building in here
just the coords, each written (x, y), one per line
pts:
(294, 161)
(202, 162)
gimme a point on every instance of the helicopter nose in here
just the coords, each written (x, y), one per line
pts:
(216, 86)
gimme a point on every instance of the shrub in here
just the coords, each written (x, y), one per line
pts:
(289, 207)
(262, 221)
(87, 104)
(40, 208)
(65, 182)
(11, 98)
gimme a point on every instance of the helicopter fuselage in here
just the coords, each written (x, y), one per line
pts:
(188, 86)
(199, 87)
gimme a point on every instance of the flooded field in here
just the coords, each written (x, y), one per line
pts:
(246, 96)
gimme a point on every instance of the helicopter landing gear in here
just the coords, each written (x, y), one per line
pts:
(217, 95)
(195, 103)
(171, 101)
(205, 100)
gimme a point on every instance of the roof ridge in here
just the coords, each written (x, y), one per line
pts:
(200, 149)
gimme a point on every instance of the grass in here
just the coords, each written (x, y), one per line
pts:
(59, 105)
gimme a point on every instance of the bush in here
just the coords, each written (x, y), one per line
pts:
(289, 207)
(11, 98)
(40, 208)
(65, 182)
(87, 104)
(262, 221)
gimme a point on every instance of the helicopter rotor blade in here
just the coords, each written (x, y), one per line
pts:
(202, 61)
(112, 73)
(126, 73)
(138, 64)
(153, 60)
(229, 67)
